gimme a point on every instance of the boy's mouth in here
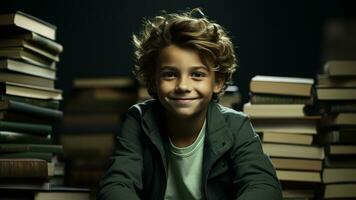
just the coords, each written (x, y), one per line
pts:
(183, 100)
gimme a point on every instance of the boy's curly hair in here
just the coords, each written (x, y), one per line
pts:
(190, 30)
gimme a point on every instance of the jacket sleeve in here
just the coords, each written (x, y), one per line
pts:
(255, 177)
(123, 179)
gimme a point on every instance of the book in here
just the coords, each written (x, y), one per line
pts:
(31, 110)
(298, 194)
(46, 103)
(340, 119)
(33, 155)
(24, 184)
(340, 190)
(339, 175)
(281, 85)
(280, 111)
(22, 43)
(22, 90)
(111, 82)
(143, 94)
(58, 195)
(335, 93)
(24, 168)
(27, 55)
(20, 20)
(35, 39)
(91, 119)
(297, 164)
(26, 68)
(26, 79)
(293, 151)
(100, 107)
(14, 116)
(323, 80)
(288, 138)
(40, 148)
(114, 96)
(229, 101)
(333, 107)
(9, 137)
(342, 136)
(50, 193)
(231, 97)
(339, 149)
(304, 176)
(35, 129)
(279, 99)
(297, 126)
(87, 129)
(79, 145)
(340, 68)
(85, 176)
(340, 161)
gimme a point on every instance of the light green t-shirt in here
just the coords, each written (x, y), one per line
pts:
(185, 166)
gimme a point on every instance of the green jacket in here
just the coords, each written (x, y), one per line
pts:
(234, 165)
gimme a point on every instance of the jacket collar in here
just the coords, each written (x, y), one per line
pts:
(219, 139)
(151, 123)
(218, 136)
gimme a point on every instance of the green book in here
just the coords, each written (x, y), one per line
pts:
(54, 104)
(31, 110)
(39, 155)
(40, 148)
(8, 137)
(35, 129)
(279, 99)
(13, 116)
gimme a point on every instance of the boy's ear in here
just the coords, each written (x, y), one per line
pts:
(219, 84)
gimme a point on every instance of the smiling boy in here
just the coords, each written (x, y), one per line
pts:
(182, 144)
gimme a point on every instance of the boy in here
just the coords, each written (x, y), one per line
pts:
(183, 145)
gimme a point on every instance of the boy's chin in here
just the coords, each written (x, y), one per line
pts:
(184, 113)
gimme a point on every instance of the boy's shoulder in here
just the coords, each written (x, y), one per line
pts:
(232, 117)
(229, 112)
(139, 109)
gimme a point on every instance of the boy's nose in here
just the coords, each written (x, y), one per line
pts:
(183, 85)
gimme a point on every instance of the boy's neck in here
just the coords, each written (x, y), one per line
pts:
(184, 131)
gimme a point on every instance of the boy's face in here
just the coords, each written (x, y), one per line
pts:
(184, 84)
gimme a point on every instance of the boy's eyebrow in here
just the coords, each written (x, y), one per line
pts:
(167, 67)
(192, 67)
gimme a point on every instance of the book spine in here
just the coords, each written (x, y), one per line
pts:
(342, 108)
(53, 104)
(20, 117)
(274, 99)
(46, 43)
(22, 138)
(12, 168)
(38, 111)
(36, 129)
(40, 148)
(37, 155)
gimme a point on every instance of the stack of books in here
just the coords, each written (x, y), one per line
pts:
(93, 114)
(231, 98)
(143, 94)
(29, 106)
(282, 113)
(336, 94)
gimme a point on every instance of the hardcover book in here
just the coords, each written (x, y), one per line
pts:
(20, 20)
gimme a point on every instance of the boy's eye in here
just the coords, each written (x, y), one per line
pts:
(198, 74)
(168, 75)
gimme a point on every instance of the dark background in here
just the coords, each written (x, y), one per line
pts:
(272, 37)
